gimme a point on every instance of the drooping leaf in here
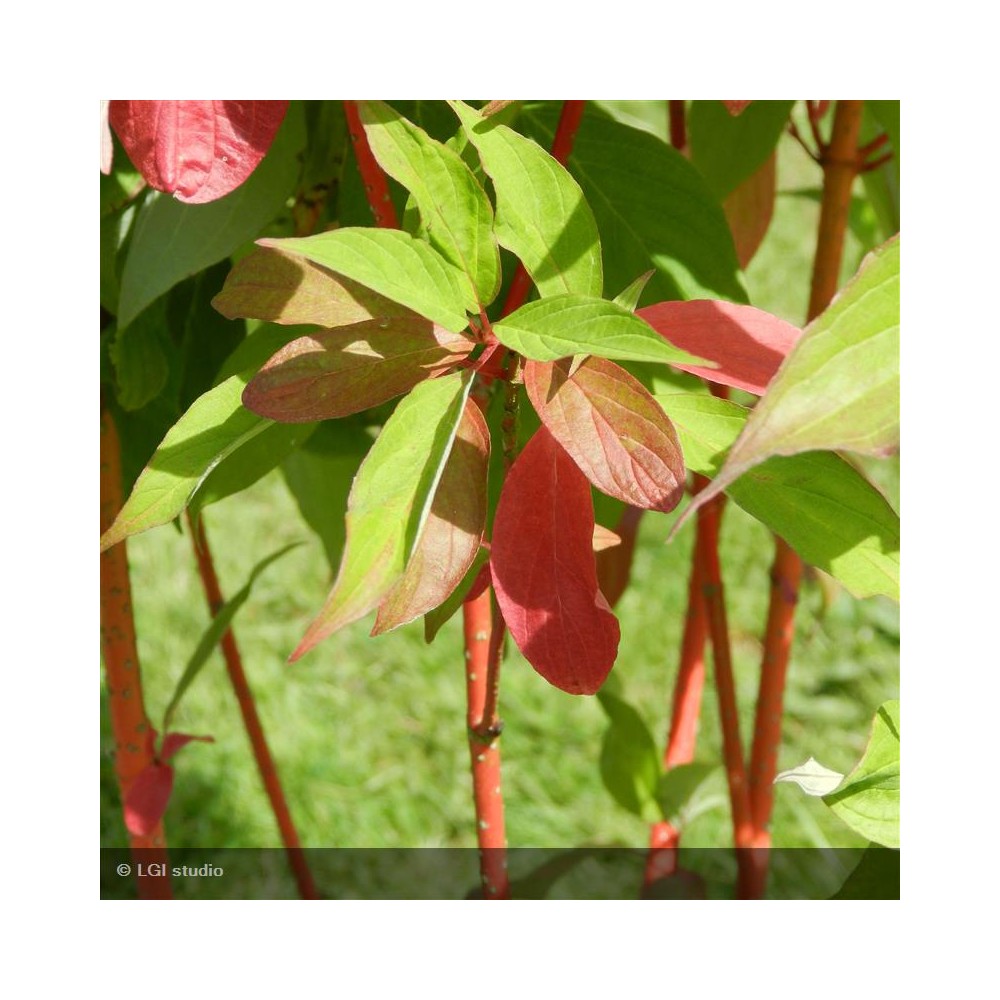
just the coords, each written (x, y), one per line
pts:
(820, 504)
(453, 206)
(334, 373)
(319, 476)
(728, 149)
(212, 636)
(868, 800)
(652, 207)
(749, 209)
(214, 426)
(197, 151)
(391, 500)
(812, 777)
(394, 264)
(839, 387)
(171, 241)
(875, 877)
(475, 581)
(564, 325)
(544, 573)
(542, 215)
(453, 533)
(612, 428)
(746, 344)
(146, 801)
(280, 287)
(688, 791)
(630, 762)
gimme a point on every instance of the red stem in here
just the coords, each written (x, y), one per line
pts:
(678, 125)
(251, 720)
(376, 185)
(134, 736)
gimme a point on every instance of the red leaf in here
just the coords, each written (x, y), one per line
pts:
(747, 344)
(173, 742)
(736, 107)
(147, 799)
(544, 573)
(612, 428)
(749, 209)
(196, 150)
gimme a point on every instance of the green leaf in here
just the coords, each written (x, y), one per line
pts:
(173, 240)
(394, 264)
(653, 209)
(868, 801)
(875, 877)
(542, 215)
(213, 427)
(214, 633)
(319, 476)
(819, 503)
(630, 763)
(839, 386)
(629, 297)
(139, 360)
(564, 325)
(454, 209)
(812, 777)
(688, 791)
(390, 501)
(727, 149)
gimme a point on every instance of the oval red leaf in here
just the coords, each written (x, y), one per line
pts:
(196, 150)
(544, 573)
(147, 799)
(612, 428)
(747, 344)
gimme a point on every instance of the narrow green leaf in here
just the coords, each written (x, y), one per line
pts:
(390, 501)
(172, 240)
(868, 801)
(542, 215)
(727, 149)
(454, 209)
(213, 427)
(629, 297)
(394, 264)
(214, 633)
(688, 791)
(564, 325)
(839, 386)
(652, 207)
(630, 762)
(819, 503)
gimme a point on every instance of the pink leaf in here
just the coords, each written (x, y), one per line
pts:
(747, 344)
(736, 107)
(196, 150)
(107, 146)
(173, 742)
(544, 572)
(147, 799)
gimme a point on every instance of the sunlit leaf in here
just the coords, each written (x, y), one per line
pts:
(812, 777)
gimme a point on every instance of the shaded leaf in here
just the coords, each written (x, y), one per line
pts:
(652, 207)
(688, 791)
(390, 502)
(196, 150)
(542, 215)
(213, 427)
(736, 107)
(139, 359)
(746, 344)
(452, 535)
(630, 762)
(614, 565)
(544, 572)
(839, 387)
(749, 209)
(820, 504)
(812, 777)
(564, 325)
(453, 206)
(475, 581)
(172, 241)
(146, 801)
(281, 287)
(868, 800)
(875, 877)
(612, 428)
(334, 373)
(211, 637)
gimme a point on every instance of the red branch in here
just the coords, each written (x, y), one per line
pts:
(376, 185)
(251, 720)
(678, 125)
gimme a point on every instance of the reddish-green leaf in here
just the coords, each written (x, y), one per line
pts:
(196, 150)
(612, 428)
(147, 799)
(747, 344)
(543, 569)
(453, 532)
(749, 209)
(173, 742)
(333, 373)
(281, 287)
(736, 107)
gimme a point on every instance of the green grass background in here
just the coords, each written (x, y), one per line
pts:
(369, 734)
